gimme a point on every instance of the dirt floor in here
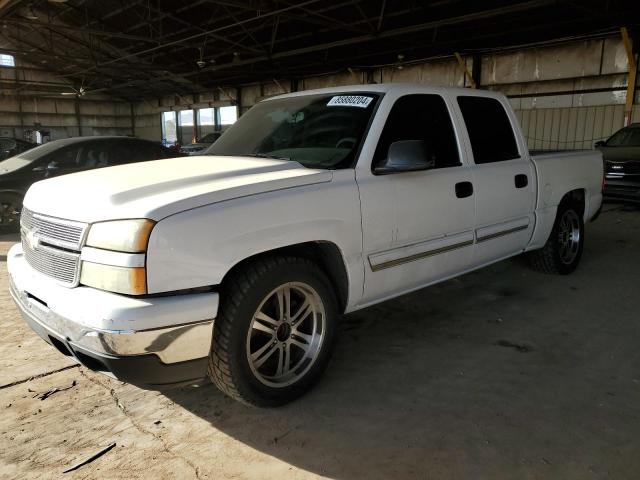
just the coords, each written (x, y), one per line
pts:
(502, 373)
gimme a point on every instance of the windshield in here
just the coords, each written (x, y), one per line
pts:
(13, 163)
(318, 131)
(42, 150)
(627, 137)
(25, 158)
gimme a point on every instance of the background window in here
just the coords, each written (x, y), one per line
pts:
(206, 122)
(421, 117)
(186, 128)
(7, 60)
(489, 128)
(169, 128)
(228, 115)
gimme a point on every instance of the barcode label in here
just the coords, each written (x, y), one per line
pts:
(350, 101)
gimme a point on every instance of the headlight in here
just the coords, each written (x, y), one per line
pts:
(127, 280)
(121, 235)
(116, 261)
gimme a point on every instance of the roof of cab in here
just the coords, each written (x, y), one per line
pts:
(389, 87)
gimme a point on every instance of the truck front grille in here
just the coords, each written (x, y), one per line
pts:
(52, 246)
(61, 265)
(63, 233)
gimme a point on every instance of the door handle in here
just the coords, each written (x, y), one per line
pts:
(464, 189)
(521, 180)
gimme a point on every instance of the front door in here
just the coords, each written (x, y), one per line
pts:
(417, 226)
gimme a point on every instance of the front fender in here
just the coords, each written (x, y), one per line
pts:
(198, 247)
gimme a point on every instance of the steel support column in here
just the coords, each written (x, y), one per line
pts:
(633, 70)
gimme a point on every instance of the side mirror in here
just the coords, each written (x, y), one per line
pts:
(600, 143)
(52, 166)
(405, 156)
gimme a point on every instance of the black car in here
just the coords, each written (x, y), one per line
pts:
(622, 164)
(12, 146)
(60, 157)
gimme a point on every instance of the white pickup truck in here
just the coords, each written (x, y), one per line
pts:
(237, 264)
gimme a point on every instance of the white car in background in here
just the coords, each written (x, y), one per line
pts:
(237, 265)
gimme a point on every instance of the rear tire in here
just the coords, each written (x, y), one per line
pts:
(274, 331)
(563, 250)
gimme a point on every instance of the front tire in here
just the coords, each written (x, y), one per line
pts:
(274, 331)
(563, 250)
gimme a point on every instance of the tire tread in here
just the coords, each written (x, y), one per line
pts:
(221, 365)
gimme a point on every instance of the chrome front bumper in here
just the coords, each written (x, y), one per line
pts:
(174, 328)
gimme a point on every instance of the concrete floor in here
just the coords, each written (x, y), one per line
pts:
(503, 373)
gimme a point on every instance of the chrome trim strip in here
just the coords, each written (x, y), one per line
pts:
(418, 256)
(501, 233)
(448, 248)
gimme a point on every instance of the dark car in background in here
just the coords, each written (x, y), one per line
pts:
(201, 145)
(69, 155)
(621, 154)
(10, 147)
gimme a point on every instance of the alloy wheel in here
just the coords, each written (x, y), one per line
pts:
(286, 334)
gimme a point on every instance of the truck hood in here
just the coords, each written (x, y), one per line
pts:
(161, 188)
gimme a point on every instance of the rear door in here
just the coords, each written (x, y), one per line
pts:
(417, 226)
(503, 177)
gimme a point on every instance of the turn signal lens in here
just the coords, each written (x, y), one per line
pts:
(126, 280)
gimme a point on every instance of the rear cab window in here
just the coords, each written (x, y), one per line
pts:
(490, 131)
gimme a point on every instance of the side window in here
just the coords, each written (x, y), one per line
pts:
(490, 132)
(65, 158)
(421, 117)
(95, 155)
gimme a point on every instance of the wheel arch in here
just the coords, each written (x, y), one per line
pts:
(545, 218)
(327, 255)
(577, 198)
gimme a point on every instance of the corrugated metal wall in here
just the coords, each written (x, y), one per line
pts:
(64, 116)
(571, 128)
(567, 95)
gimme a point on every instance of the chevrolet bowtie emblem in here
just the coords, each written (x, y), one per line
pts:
(32, 239)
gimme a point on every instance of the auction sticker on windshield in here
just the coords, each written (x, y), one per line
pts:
(350, 101)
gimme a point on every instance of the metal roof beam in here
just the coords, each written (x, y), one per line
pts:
(528, 5)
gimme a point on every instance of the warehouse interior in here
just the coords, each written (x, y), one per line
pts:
(500, 373)
(106, 68)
